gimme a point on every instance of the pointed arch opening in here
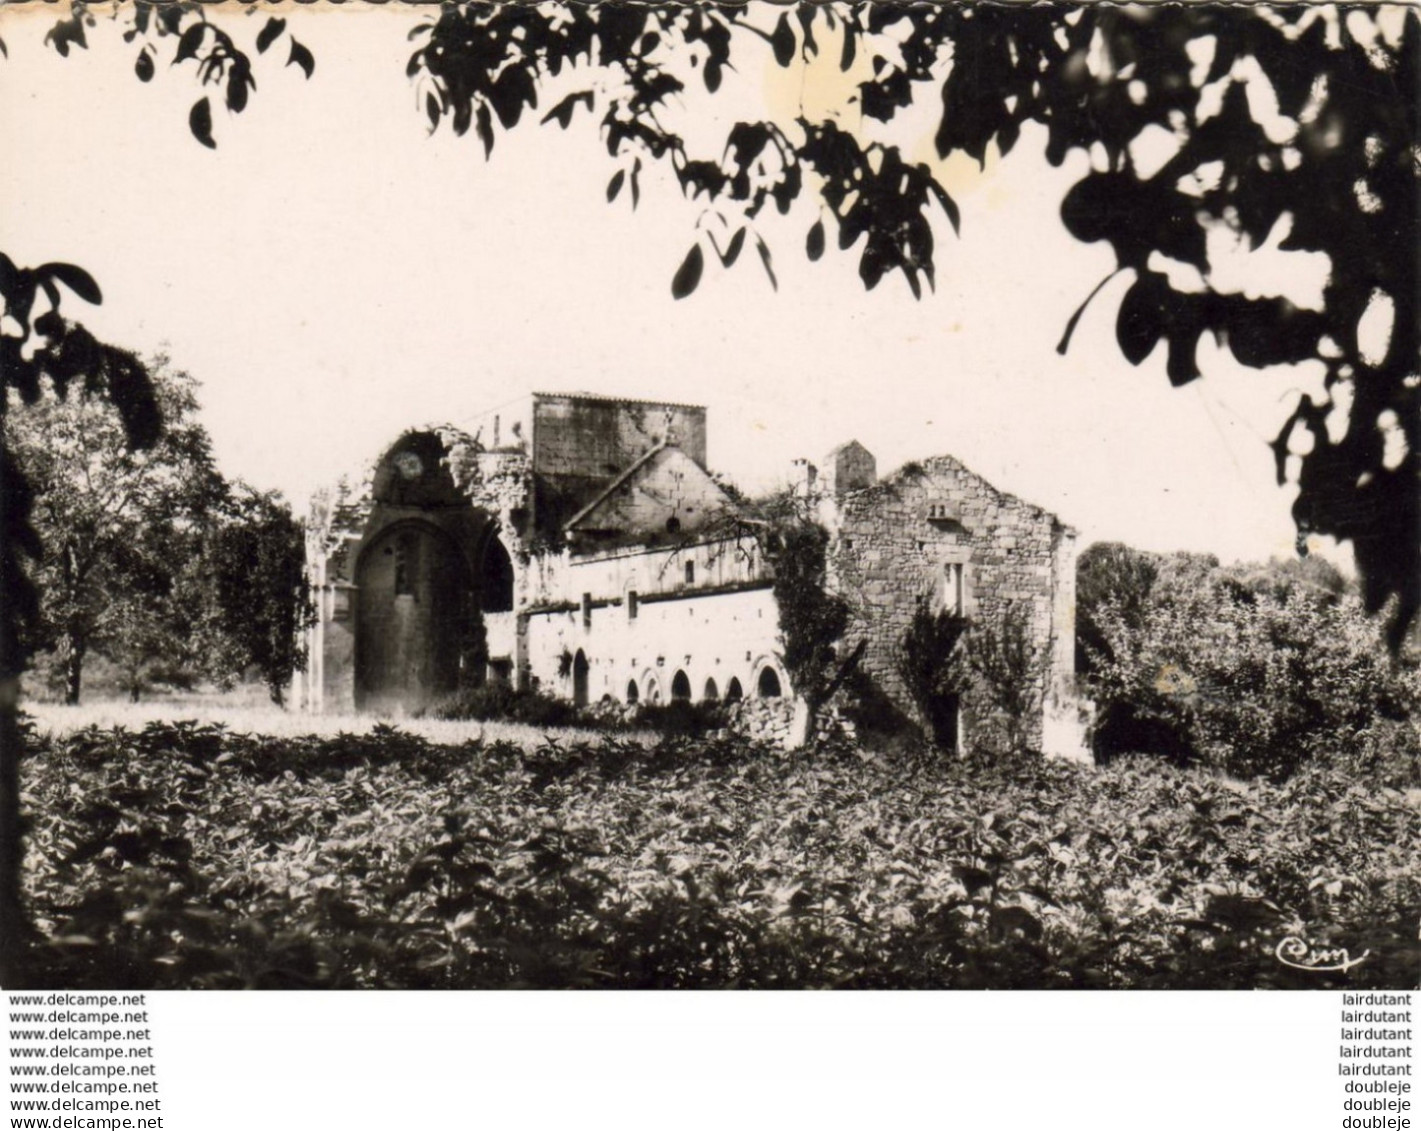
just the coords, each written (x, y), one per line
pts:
(579, 679)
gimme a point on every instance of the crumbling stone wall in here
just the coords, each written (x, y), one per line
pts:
(934, 529)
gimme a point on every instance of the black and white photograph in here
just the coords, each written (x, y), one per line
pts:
(657, 496)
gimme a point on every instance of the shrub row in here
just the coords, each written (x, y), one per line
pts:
(187, 856)
(500, 702)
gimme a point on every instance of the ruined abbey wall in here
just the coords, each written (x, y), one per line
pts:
(935, 531)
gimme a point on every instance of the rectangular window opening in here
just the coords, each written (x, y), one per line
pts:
(952, 597)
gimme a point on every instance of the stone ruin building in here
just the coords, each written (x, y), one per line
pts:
(587, 551)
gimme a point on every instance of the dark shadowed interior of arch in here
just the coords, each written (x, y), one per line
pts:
(496, 578)
(769, 685)
(733, 693)
(633, 693)
(680, 688)
(413, 587)
(579, 679)
(712, 693)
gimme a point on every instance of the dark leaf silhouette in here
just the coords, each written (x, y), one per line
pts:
(783, 42)
(199, 120)
(190, 41)
(143, 66)
(562, 112)
(484, 124)
(614, 186)
(814, 241)
(239, 82)
(75, 278)
(688, 275)
(1140, 322)
(301, 57)
(732, 251)
(269, 33)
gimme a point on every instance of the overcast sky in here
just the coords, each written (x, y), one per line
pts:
(332, 275)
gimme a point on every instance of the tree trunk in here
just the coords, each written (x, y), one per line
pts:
(73, 674)
(15, 931)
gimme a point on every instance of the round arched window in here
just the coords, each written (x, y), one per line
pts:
(769, 684)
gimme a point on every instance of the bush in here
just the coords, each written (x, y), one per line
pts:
(503, 703)
(680, 719)
(1255, 672)
(189, 857)
(499, 701)
(933, 669)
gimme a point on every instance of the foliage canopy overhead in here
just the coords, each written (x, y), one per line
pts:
(1295, 125)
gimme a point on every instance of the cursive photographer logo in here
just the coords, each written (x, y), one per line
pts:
(1303, 955)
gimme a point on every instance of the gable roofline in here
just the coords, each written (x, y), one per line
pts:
(933, 464)
(636, 465)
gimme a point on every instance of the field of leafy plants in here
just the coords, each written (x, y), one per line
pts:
(185, 855)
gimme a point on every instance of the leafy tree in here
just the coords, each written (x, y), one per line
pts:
(1008, 674)
(812, 620)
(934, 669)
(1252, 671)
(256, 561)
(1109, 571)
(115, 525)
(39, 352)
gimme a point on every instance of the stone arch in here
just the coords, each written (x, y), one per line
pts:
(633, 692)
(579, 679)
(650, 688)
(768, 684)
(414, 599)
(710, 693)
(680, 688)
(733, 692)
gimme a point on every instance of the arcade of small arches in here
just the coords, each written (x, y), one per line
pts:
(768, 683)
